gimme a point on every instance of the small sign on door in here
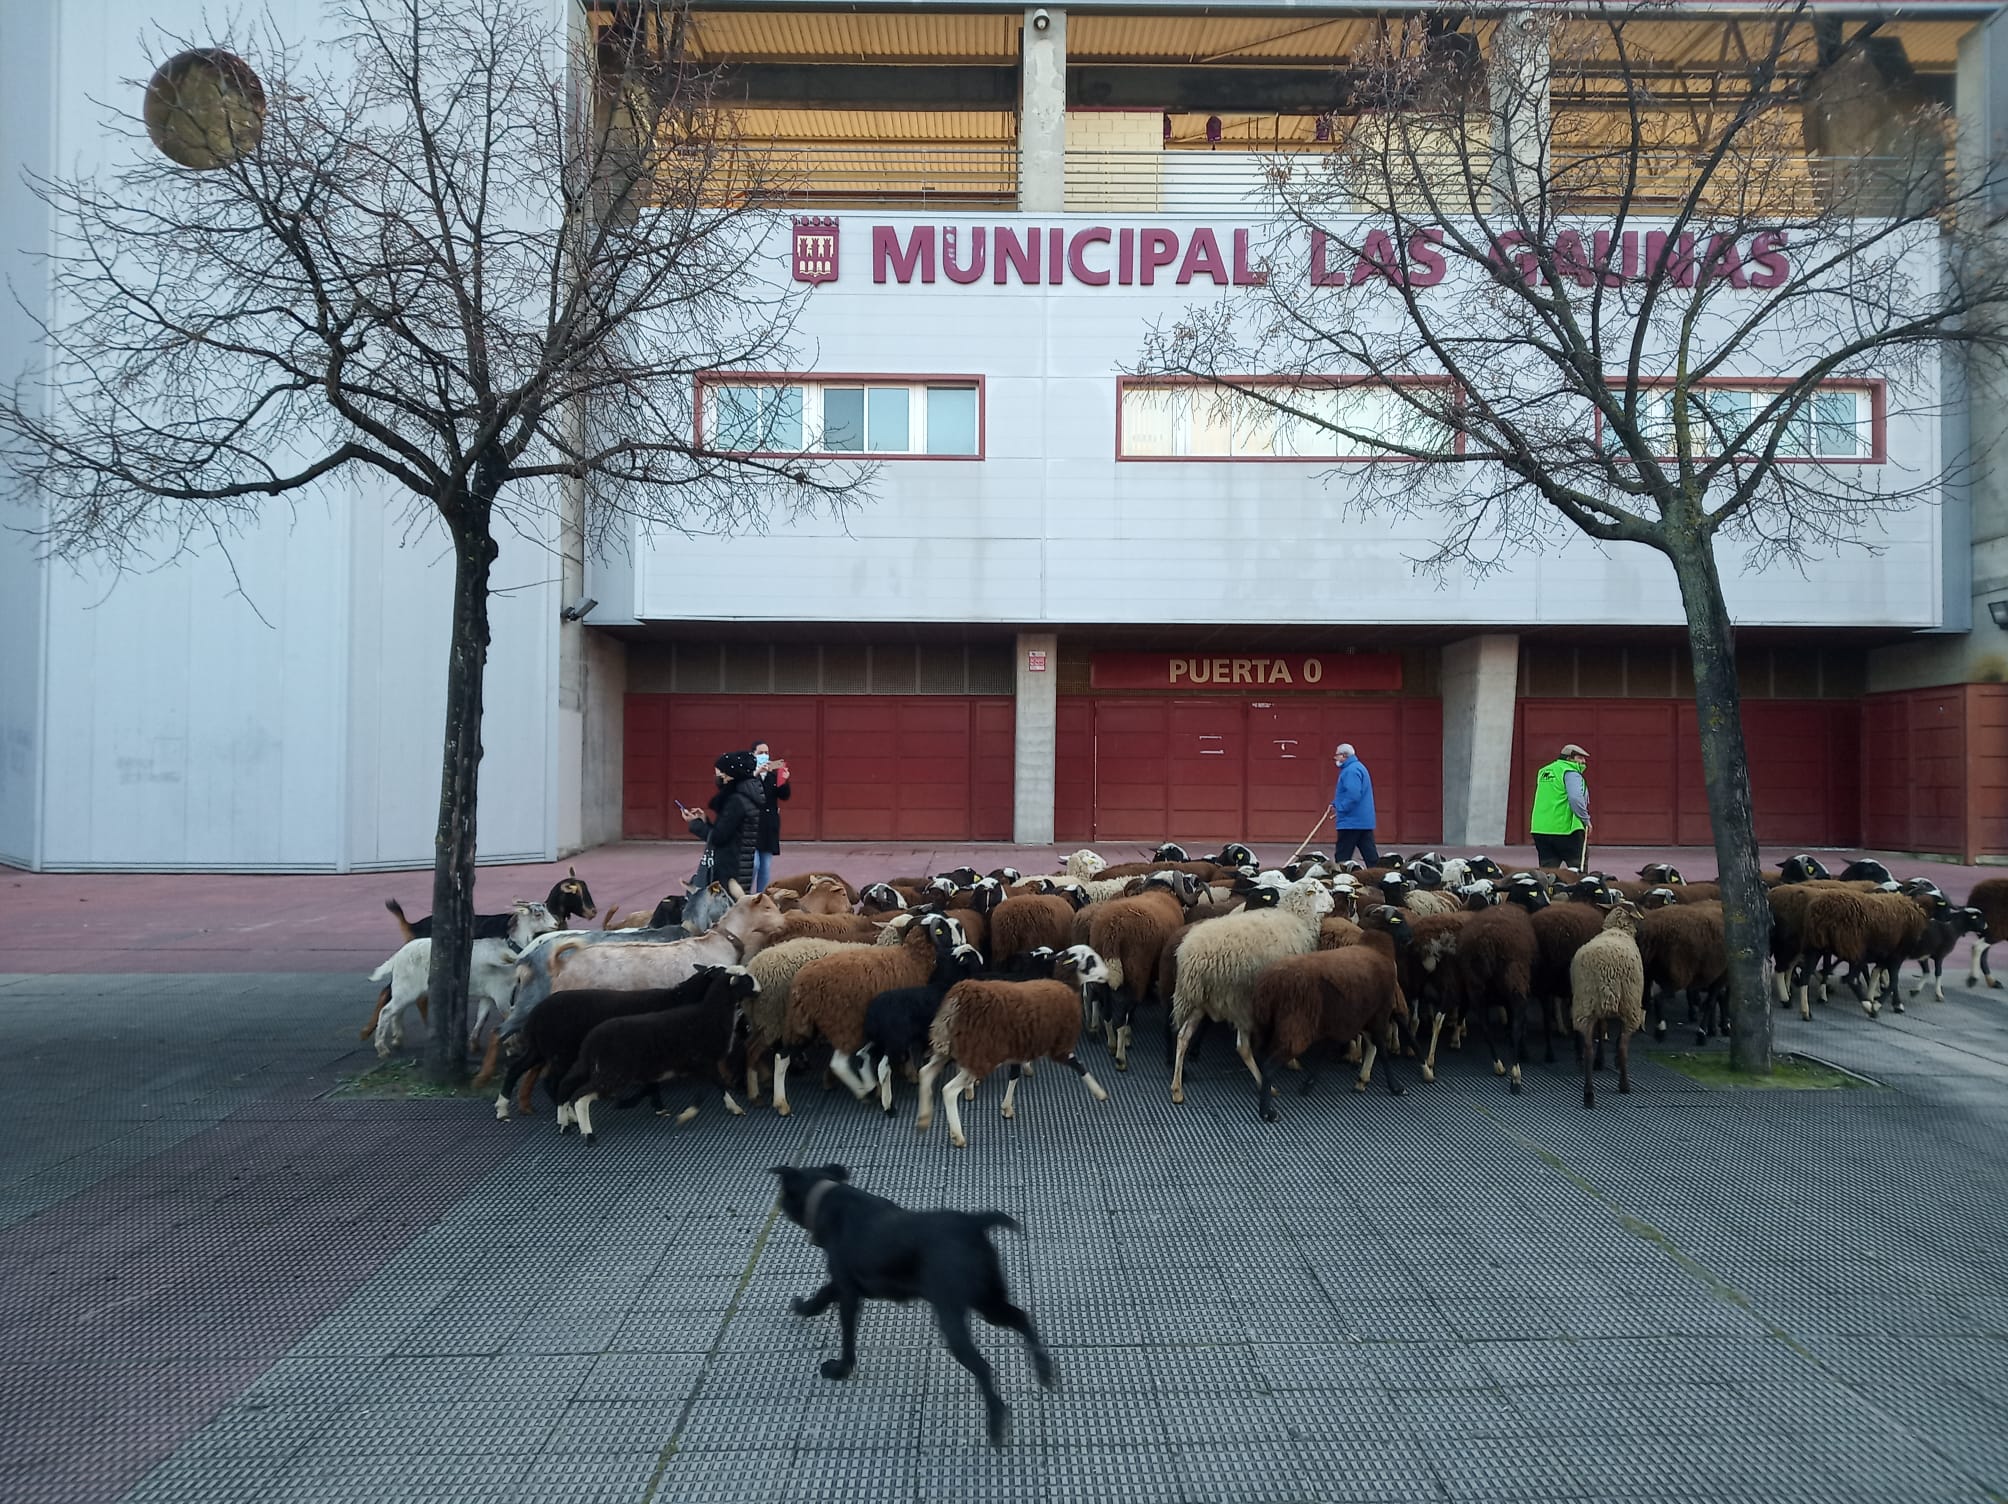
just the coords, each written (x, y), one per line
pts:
(1035, 661)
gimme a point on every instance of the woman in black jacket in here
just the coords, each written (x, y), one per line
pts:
(774, 778)
(732, 834)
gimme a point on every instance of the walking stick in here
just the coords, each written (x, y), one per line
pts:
(1583, 866)
(1309, 838)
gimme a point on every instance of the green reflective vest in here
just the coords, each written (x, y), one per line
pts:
(1552, 815)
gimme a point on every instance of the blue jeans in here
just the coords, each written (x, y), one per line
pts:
(763, 869)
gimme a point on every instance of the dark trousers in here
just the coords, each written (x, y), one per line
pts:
(1558, 851)
(1363, 841)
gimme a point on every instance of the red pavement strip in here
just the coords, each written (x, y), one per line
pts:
(223, 922)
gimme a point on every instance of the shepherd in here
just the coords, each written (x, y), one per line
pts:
(1353, 807)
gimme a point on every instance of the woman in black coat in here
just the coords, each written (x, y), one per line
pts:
(774, 778)
(732, 834)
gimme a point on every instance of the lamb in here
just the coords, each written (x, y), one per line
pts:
(1030, 921)
(1943, 925)
(983, 1025)
(1865, 869)
(899, 1023)
(1495, 966)
(642, 1051)
(1683, 949)
(1990, 897)
(1607, 985)
(1219, 961)
(1330, 996)
(831, 994)
(547, 1046)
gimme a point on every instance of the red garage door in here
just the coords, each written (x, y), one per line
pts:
(865, 767)
(1219, 769)
(1646, 787)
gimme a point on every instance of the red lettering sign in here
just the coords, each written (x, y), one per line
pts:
(1272, 673)
(1097, 256)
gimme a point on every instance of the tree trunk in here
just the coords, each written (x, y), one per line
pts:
(453, 842)
(1725, 767)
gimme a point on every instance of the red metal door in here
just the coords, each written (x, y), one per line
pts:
(1206, 792)
(1074, 770)
(1290, 768)
(1132, 770)
(863, 767)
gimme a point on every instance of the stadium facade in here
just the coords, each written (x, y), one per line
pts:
(1075, 607)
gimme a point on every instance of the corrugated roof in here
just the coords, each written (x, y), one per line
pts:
(812, 35)
(871, 37)
(848, 126)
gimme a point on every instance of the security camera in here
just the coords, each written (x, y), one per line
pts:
(1041, 20)
(578, 610)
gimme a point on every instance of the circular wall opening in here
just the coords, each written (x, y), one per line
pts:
(205, 108)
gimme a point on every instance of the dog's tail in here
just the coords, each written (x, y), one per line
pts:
(987, 1220)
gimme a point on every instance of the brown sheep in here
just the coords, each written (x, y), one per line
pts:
(1335, 933)
(1990, 897)
(1495, 967)
(831, 994)
(775, 969)
(1129, 934)
(1683, 950)
(1426, 960)
(983, 1025)
(1028, 922)
(1559, 931)
(1330, 996)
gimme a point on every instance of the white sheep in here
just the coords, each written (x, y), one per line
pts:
(1083, 865)
(1607, 985)
(1220, 959)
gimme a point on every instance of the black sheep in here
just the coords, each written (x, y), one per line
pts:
(692, 1041)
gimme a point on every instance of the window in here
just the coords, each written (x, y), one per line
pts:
(1835, 423)
(1349, 422)
(847, 415)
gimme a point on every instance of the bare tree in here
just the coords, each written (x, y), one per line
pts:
(463, 255)
(1630, 304)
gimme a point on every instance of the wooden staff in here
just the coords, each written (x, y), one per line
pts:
(1309, 838)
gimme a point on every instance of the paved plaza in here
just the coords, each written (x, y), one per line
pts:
(218, 1282)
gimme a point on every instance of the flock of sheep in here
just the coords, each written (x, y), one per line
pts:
(962, 973)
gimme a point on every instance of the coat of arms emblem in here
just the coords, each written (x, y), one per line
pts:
(816, 249)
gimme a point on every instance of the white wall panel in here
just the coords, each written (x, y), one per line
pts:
(1052, 528)
(183, 731)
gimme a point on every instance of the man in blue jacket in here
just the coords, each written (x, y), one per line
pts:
(1353, 807)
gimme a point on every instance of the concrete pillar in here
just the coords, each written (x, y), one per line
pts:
(1480, 683)
(1042, 112)
(1038, 715)
(1517, 72)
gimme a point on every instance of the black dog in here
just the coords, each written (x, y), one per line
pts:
(879, 1251)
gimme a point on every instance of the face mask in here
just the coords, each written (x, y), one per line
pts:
(759, 759)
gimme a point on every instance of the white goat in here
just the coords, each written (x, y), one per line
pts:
(492, 976)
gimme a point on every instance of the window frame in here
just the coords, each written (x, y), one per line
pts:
(1875, 388)
(915, 382)
(1127, 384)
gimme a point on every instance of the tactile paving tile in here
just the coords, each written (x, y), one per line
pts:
(1353, 1288)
